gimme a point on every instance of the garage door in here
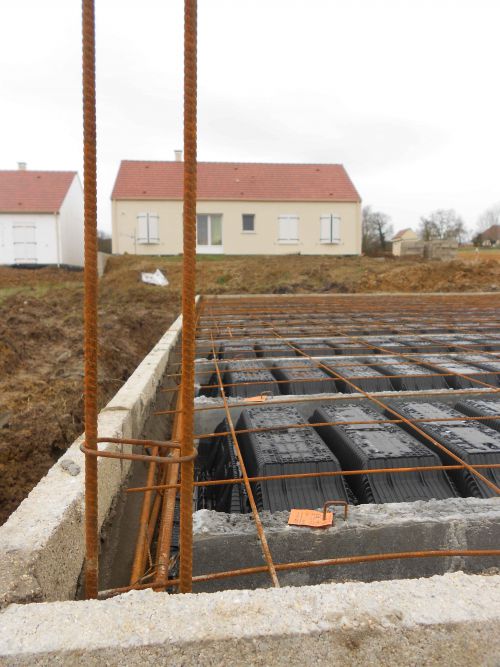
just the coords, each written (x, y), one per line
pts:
(24, 238)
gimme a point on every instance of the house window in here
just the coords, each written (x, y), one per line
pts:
(330, 228)
(148, 228)
(248, 222)
(209, 232)
(288, 229)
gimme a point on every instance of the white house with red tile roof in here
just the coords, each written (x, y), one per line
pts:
(243, 209)
(41, 217)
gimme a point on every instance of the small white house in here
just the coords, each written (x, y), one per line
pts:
(41, 217)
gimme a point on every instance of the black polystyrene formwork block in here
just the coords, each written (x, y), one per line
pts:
(367, 378)
(372, 446)
(312, 348)
(415, 377)
(217, 460)
(446, 364)
(287, 451)
(249, 378)
(237, 351)
(483, 361)
(492, 345)
(273, 349)
(303, 376)
(346, 347)
(481, 407)
(472, 441)
(387, 345)
(416, 344)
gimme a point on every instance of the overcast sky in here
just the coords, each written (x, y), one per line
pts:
(404, 93)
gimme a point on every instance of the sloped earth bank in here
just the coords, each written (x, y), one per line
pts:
(41, 347)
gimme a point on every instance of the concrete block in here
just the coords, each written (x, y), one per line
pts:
(225, 542)
(42, 542)
(448, 620)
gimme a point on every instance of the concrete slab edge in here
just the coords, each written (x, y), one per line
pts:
(449, 620)
(41, 544)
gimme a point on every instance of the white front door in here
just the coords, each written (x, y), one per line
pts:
(24, 242)
(209, 233)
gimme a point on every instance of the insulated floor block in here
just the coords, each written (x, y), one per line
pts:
(372, 446)
(344, 346)
(287, 451)
(302, 376)
(272, 349)
(217, 460)
(414, 377)
(417, 344)
(463, 342)
(481, 407)
(237, 351)
(387, 345)
(367, 378)
(312, 349)
(447, 364)
(483, 361)
(472, 441)
(249, 378)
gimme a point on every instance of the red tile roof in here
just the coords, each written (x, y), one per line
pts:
(401, 232)
(33, 191)
(491, 234)
(236, 180)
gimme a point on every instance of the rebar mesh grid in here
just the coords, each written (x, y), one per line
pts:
(459, 320)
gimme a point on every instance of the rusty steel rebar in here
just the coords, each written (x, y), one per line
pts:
(188, 293)
(309, 475)
(326, 562)
(90, 295)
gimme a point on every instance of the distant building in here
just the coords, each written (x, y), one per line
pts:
(41, 217)
(403, 237)
(243, 209)
(491, 236)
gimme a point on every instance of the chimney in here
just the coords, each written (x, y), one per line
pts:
(21, 166)
(178, 156)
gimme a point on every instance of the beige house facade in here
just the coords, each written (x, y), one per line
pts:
(248, 209)
(405, 237)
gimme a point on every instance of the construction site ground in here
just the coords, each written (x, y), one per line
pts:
(41, 347)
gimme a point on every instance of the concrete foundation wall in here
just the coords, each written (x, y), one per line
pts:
(226, 542)
(42, 542)
(449, 620)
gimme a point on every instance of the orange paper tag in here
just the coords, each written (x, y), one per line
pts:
(256, 399)
(310, 518)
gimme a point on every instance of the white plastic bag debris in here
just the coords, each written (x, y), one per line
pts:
(156, 278)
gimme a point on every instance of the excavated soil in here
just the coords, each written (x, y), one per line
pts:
(41, 348)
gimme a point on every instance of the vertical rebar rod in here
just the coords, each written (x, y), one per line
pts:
(188, 295)
(90, 297)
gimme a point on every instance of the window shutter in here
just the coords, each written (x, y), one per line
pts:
(335, 229)
(325, 231)
(142, 228)
(153, 228)
(329, 229)
(288, 228)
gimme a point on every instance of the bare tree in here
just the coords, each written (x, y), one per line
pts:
(377, 230)
(442, 224)
(489, 218)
